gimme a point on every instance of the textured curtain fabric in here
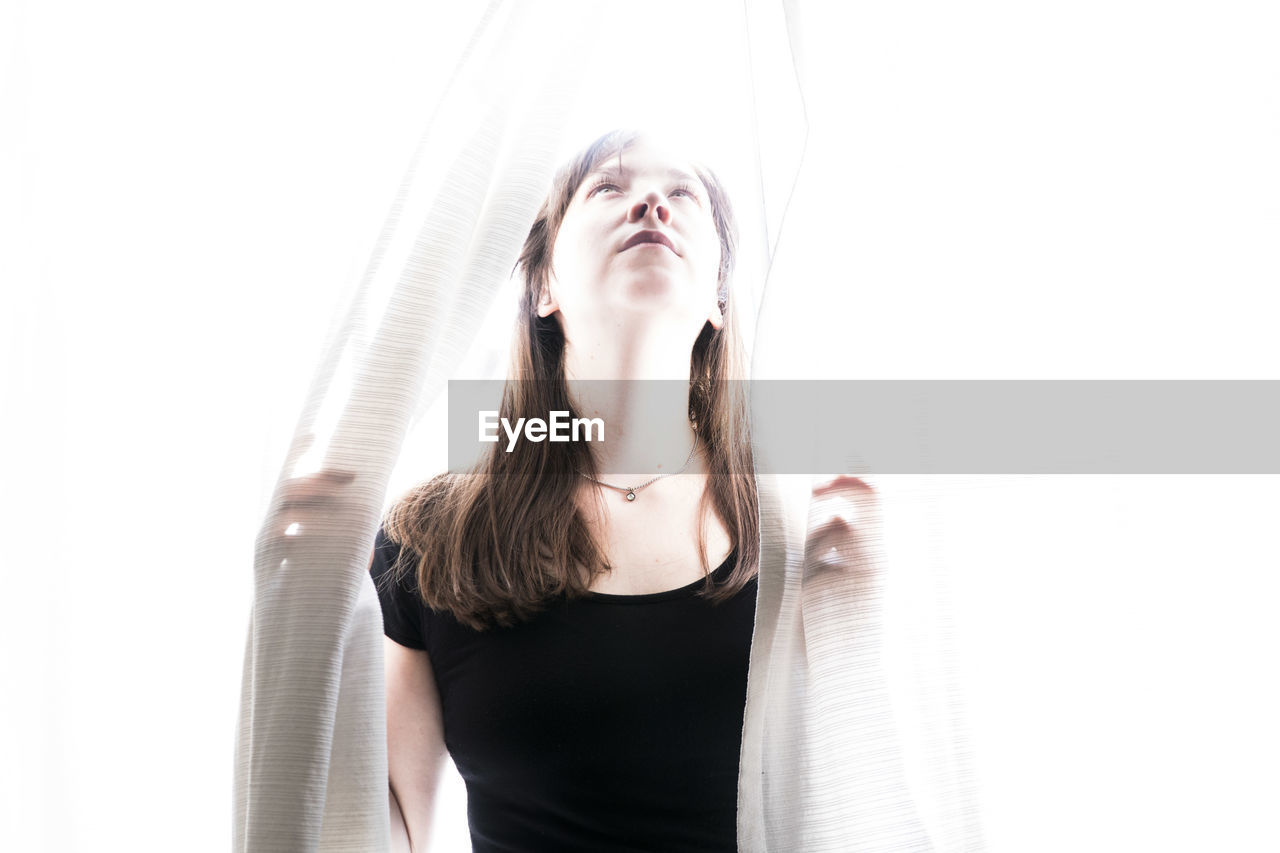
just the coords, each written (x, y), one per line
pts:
(822, 765)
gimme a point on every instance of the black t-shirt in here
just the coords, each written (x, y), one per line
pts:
(607, 723)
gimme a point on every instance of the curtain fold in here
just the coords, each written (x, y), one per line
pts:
(820, 769)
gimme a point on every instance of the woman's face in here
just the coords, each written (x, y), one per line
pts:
(638, 243)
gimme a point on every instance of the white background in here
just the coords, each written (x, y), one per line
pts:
(1087, 191)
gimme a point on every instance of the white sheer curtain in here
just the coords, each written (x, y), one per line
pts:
(986, 192)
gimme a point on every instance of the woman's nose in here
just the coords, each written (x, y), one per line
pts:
(653, 204)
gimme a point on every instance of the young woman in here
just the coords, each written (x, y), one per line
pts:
(573, 631)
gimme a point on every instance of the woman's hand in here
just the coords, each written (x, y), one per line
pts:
(844, 534)
(843, 578)
(310, 505)
(309, 511)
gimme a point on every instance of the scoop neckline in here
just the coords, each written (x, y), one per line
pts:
(718, 575)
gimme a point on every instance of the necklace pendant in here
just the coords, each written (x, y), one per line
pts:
(631, 495)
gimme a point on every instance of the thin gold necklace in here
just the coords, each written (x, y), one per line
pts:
(631, 490)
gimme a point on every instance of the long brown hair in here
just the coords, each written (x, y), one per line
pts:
(496, 545)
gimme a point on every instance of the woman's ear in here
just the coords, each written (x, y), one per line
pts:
(547, 304)
(716, 316)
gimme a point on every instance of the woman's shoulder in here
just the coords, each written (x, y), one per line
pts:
(389, 565)
(386, 549)
(396, 582)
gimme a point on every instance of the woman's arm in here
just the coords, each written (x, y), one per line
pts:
(399, 832)
(415, 745)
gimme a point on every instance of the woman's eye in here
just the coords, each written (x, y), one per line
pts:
(685, 192)
(598, 188)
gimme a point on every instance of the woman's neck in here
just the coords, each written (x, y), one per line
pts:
(638, 385)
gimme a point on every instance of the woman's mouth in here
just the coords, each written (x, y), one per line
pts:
(649, 238)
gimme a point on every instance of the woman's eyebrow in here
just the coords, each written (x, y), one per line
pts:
(609, 171)
(615, 172)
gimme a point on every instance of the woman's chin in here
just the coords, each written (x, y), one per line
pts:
(658, 291)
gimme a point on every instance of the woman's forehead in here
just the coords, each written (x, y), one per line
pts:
(643, 157)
